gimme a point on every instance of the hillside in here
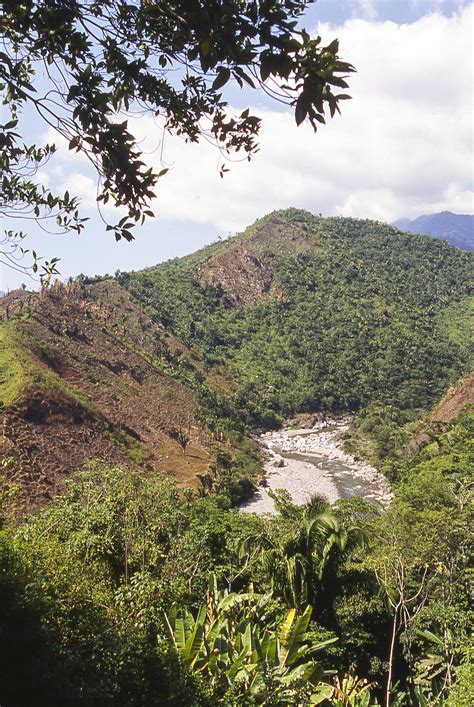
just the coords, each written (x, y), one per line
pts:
(86, 374)
(128, 593)
(455, 401)
(321, 314)
(457, 229)
(297, 314)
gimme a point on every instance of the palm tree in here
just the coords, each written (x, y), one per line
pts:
(300, 548)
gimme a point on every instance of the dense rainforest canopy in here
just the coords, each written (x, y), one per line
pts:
(123, 590)
(361, 314)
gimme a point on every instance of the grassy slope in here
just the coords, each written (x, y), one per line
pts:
(17, 371)
(23, 374)
(21, 369)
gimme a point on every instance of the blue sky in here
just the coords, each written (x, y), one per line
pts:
(400, 11)
(403, 146)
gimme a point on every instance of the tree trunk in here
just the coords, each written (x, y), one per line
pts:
(391, 656)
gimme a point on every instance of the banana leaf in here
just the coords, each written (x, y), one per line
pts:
(292, 638)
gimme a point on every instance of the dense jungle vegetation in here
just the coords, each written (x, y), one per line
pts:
(366, 316)
(123, 592)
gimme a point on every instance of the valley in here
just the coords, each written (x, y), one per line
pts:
(238, 471)
(315, 373)
(297, 314)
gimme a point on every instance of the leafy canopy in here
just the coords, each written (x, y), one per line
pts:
(103, 61)
(362, 318)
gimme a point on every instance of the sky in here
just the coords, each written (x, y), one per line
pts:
(402, 147)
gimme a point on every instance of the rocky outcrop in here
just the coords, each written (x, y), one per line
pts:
(244, 271)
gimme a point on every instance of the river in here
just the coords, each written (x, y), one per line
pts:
(305, 462)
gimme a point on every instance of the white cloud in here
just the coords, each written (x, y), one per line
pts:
(82, 186)
(403, 146)
(368, 8)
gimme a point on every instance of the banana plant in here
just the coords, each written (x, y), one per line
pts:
(349, 691)
(229, 640)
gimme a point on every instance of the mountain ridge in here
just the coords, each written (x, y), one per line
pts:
(343, 262)
(457, 229)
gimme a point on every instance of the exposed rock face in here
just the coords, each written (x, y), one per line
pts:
(244, 271)
(317, 418)
(446, 411)
(243, 276)
(455, 400)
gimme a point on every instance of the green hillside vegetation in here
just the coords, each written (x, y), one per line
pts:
(126, 591)
(86, 374)
(22, 370)
(123, 592)
(22, 373)
(17, 371)
(360, 317)
(457, 321)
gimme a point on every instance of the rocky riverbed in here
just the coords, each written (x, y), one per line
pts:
(309, 461)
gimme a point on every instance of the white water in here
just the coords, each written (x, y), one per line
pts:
(305, 462)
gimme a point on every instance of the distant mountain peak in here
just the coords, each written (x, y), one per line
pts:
(457, 229)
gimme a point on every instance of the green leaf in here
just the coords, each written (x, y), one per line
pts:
(323, 693)
(205, 46)
(223, 75)
(285, 629)
(332, 48)
(194, 643)
(180, 634)
(240, 72)
(323, 644)
(430, 637)
(292, 639)
(300, 112)
(74, 142)
(236, 666)
(247, 638)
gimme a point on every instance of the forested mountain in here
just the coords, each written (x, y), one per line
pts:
(313, 313)
(297, 314)
(457, 229)
(124, 589)
(138, 412)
